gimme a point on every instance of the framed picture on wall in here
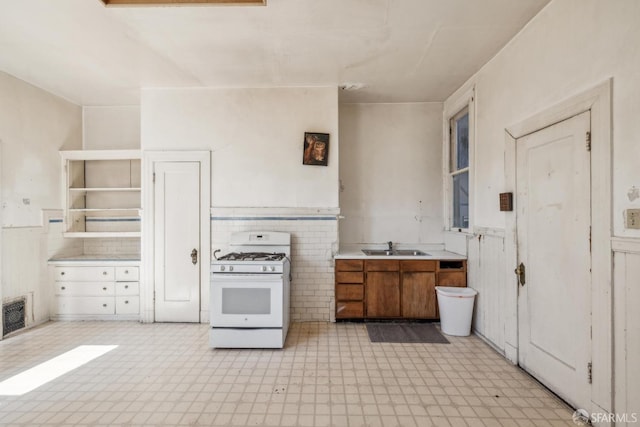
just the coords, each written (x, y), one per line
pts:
(316, 149)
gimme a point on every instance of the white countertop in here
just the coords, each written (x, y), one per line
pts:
(356, 253)
(120, 259)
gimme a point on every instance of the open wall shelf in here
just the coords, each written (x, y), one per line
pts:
(102, 193)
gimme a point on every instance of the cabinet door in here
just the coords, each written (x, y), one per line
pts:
(419, 295)
(383, 294)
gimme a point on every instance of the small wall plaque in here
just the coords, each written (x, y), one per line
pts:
(506, 202)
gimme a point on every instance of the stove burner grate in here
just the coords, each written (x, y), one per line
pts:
(252, 256)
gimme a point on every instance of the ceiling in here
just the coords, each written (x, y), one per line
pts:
(397, 50)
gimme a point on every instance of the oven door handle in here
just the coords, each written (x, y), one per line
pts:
(217, 278)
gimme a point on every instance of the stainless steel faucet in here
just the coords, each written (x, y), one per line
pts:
(390, 246)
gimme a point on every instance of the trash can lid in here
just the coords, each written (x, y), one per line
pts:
(456, 292)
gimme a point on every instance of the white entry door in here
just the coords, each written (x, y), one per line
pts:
(177, 242)
(553, 223)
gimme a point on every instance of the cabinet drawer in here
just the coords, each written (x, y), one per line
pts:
(349, 292)
(127, 288)
(349, 310)
(349, 264)
(84, 305)
(350, 277)
(127, 305)
(79, 289)
(383, 265)
(418, 265)
(452, 278)
(84, 274)
(127, 274)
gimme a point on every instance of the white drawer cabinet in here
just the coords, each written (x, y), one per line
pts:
(83, 290)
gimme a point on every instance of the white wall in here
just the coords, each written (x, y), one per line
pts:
(111, 128)
(569, 47)
(34, 126)
(391, 173)
(258, 180)
(256, 139)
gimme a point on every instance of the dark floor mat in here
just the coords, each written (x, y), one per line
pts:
(405, 333)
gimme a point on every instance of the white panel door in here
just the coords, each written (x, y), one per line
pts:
(177, 238)
(553, 222)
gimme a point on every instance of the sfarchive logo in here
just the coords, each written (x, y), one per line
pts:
(582, 418)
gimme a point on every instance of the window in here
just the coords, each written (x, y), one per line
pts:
(459, 170)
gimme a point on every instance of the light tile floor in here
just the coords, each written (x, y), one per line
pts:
(327, 375)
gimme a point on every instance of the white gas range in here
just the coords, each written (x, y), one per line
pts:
(250, 292)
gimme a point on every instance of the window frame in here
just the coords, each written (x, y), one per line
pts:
(464, 103)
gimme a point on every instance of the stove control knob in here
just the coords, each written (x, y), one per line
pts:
(222, 268)
(231, 268)
(272, 268)
(264, 268)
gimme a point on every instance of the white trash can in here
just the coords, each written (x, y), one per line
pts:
(456, 309)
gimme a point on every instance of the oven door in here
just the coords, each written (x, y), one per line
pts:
(246, 300)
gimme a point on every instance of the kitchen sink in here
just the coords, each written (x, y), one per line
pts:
(395, 252)
(409, 252)
(377, 252)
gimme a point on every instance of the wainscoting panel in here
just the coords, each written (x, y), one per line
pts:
(486, 274)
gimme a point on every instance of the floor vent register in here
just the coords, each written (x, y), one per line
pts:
(13, 316)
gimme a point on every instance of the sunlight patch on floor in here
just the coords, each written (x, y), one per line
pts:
(33, 378)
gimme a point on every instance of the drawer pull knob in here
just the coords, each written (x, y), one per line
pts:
(126, 302)
(126, 272)
(62, 273)
(104, 289)
(126, 286)
(104, 305)
(63, 288)
(104, 273)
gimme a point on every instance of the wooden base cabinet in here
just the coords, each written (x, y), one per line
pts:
(393, 289)
(350, 289)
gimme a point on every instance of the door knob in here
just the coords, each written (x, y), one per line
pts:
(520, 272)
(194, 256)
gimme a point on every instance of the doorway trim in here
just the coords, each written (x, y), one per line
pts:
(147, 303)
(598, 101)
